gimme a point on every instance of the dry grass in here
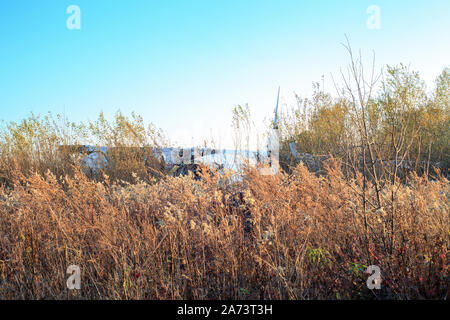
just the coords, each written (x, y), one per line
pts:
(292, 236)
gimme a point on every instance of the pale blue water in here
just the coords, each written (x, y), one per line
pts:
(228, 159)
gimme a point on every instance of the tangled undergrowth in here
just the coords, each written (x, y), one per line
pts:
(294, 236)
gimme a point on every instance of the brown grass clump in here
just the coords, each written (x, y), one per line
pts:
(295, 236)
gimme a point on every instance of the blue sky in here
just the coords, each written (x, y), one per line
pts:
(184, 65)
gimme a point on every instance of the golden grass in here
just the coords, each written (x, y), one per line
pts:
(292, 236)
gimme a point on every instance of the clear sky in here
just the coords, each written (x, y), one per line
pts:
(184, 65)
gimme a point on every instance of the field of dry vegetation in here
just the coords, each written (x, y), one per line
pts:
(143, 234)
(295, 236)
